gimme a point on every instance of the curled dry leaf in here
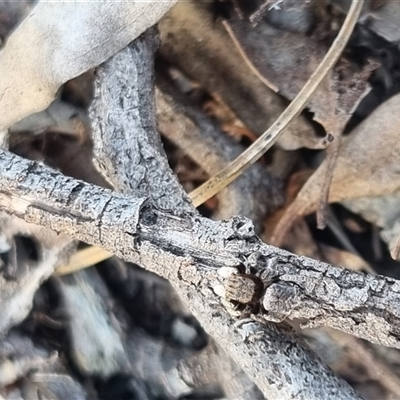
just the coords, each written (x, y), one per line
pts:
(59, 41)
(288, 71)
(367, 165)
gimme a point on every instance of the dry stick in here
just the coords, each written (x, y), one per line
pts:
(268, 138)
(189, 251)
(83, 259)
(332, 156)
(259, 147)
(246, 59)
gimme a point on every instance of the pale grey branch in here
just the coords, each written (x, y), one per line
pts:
(127, 146)
(194, 249)
(128, 149)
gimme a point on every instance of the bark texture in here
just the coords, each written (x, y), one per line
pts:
(128, 150)
(189, 251)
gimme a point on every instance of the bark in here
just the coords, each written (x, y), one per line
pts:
(131, 226)
(129, 152)
(127, 146)
(188, 251)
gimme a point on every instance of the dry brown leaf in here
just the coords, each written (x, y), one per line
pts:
(287, 60)
(229, 122)
(335, 99)
(367, 165)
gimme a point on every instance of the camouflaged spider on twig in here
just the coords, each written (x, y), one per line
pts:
(258, 295)
(241, 292)
(243, 288)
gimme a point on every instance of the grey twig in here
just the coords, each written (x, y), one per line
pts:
(189, 251)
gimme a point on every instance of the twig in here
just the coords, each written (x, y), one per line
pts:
(189, 251)
(123, 111)
(254, 152)
(332, 155)
(246, 59)
(83, 259)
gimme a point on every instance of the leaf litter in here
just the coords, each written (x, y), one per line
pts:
(283, 42)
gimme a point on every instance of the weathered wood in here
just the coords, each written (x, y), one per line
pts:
(188, 251)
(128, 150)
(127, 146)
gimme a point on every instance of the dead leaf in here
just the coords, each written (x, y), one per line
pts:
(59, 41)
(288, 70)
(383, 212)
(367, 165)
(335, 99)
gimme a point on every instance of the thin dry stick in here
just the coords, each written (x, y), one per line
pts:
(246, 59)
(83, 259)
(80, 260)
(332, 155)
(268, 138)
